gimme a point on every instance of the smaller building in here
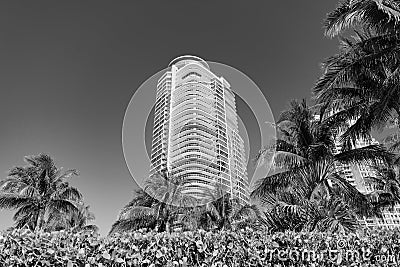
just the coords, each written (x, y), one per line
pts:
(359, 176)
(390, 219)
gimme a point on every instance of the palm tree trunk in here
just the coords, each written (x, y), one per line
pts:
(161, 210)
(223, 212)
(40, 219)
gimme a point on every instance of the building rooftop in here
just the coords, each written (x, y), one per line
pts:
(186, 59)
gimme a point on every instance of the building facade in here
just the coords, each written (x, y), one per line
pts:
(195, 131)
(359, 175)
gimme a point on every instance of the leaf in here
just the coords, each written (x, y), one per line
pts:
(339, 259)
(94, 243)
(119, 260)
(275, 245)
(106, 255)
(159, 254)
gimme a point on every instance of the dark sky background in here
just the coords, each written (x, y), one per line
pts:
(69, 68)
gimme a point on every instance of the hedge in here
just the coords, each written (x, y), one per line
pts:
(200, 248)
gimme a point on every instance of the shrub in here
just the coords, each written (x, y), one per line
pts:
(199, 248)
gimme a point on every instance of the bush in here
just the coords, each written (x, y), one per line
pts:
(200, 248)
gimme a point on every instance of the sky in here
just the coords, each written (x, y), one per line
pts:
(68, 70)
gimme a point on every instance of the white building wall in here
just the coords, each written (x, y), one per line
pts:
(199, 137)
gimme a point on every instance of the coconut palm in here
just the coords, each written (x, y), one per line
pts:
(375, 15)
(37, 191)
(222, 211)
(168, 205)
(76, 221)
(158, 206)
(306, 172)
(331, 215)
(361, 82)
(174, 201)
(139, 213)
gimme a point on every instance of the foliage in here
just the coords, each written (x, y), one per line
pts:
(307, 191)
(198, 248)
(387, 179)
(360, 83)
(43, 197)
(76, 220)
(156, 207)
(139, 213)
(220, 211)
(374, 15)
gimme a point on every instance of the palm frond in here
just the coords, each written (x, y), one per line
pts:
(337, 217)
(349, 194)
(90, 228)
(13, 201)
(372, 155)
(138, 217)
(69, 193)
(62, 205)
(275, 181)
(373, 14)
(24, 211)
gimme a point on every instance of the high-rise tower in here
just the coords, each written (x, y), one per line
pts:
(195, 131)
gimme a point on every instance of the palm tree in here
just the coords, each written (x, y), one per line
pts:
(374, 15)
(173, 198)
(387, 180)
(164, 204)
(139, 213)
(331, 215)
(75, 221)
(361, 81)
(168, 205)
(38, 191)
(222, 211)
(361, 84)
(306, 171)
